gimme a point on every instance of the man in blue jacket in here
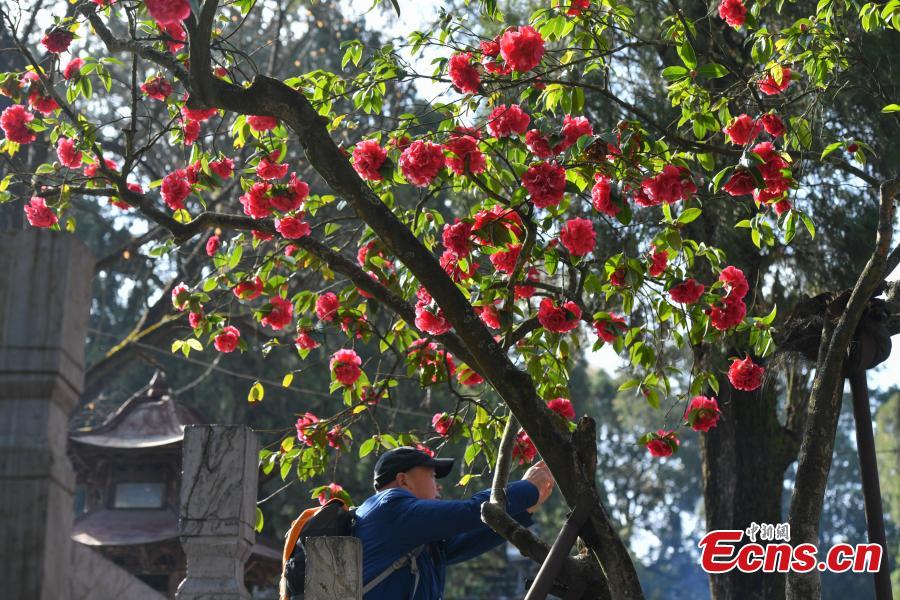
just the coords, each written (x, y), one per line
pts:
(405, 524)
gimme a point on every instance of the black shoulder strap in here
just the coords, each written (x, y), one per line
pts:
(409, 557)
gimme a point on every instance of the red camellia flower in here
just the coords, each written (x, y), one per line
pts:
(256, 201)
(465, 156)
(601, 197)
(728, 314)
(429, 322)
(524, 449)
(195, 319)
(305, 341)
(177, 291)
(687, 292)
(733, 11)
(467, 376)
(735, 282)
(559, 319)
(505, 261)
(73, 68)
(327, 306)
(743, 129)
(573, 129)
(68, 153)
(505, 121)
(39, 214)
(281, 313)
(345, 366)
(538, 144)
(270, 168)
(773, 124)
(546, 183)
(782, 206)
(212, 245)
(331, 491)
(741, 183)
(57, 40)
(487, 222)
(14, 122)
(745, 375)
(228, 340)
(175, 189)
(609, 328)
(224, 167)
(260, 123)
(456, 237)
(248, 290)
(368, 158)
(463, 73)
(576, 7)
(769, 86)
(306, 427)
(669, 186)
(420, 162)
(658, 261)
(41, 103)
(489, 315)
(443, 424)
(702, 413)
(292, 228)
(169, 11)
(174, 35)
(578, 236)
(662, 443)
(522, 48)
(157, 88)
(563, 407)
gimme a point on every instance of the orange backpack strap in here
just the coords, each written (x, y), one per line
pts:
(293, 534)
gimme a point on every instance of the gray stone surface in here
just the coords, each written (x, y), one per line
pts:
(333, 568)
(218, 510)
(93, 577)
(45, 292)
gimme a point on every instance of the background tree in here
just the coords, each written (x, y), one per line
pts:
(573, 53)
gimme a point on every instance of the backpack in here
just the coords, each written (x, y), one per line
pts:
(332, 519)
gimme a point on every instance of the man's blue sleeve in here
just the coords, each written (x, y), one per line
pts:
(424, 521)
(468, 545)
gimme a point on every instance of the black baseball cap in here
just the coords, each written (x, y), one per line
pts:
(404, 458)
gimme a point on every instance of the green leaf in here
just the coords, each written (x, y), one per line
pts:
(790, 227)
(689, 215)
(809, 225)
(260, 521)
(288, 379)
(472, 451)
(891, 108)
(674, 72)
(712, 71)
(688, 57)
(256, 392)
(367, 446)
(235, 257)
(830, 148)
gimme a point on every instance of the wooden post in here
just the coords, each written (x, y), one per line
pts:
(218, 510)
(333, 568)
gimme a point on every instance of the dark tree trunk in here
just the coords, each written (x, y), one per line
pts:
(744, 459)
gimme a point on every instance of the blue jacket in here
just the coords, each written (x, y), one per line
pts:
(393, 522)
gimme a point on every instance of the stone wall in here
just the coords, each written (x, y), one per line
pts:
(93, 577)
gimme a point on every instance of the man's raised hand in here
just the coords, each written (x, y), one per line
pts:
(539, 475)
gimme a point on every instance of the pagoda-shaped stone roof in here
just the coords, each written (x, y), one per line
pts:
(149, 419)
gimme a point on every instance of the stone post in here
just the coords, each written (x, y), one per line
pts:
(45, 293)
(218, 510)
(333, 568)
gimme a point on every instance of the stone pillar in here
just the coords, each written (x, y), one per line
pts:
(218, 510)
(333, 568)
(45, 293)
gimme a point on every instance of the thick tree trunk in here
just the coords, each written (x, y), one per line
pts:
(744, 458)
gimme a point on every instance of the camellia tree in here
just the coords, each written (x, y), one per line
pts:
(541, 252)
